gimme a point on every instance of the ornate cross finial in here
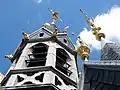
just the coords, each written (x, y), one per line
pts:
(95, 30)
(55, 16)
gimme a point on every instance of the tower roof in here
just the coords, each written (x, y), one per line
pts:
(45, 33)
(111, 51)
(101, 75)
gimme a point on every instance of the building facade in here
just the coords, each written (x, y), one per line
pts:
(43, 61)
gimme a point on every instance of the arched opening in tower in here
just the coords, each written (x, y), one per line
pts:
(62, 59)
(38, 56)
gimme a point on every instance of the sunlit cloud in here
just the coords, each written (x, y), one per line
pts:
(110, 26)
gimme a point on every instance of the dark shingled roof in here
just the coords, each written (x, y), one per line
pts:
(103, 74)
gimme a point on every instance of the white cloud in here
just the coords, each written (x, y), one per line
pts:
(110, 26)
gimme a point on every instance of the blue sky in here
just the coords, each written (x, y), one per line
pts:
(28, 15)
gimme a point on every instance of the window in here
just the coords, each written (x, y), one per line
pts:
(38, 56)
(65, 40)
(62, 61)
(41, 34)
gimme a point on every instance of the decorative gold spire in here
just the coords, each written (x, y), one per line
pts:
(95, 30)
(55, 16)
(83, 49)
(25, 36)
(55, 31)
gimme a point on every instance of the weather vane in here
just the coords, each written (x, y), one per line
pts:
(95, 30)
(55, 16)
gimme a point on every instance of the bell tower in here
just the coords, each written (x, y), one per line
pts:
(44, 60)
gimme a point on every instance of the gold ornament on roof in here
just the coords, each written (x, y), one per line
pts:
(55, 16)
(55, 31)
(95, 30)
(83, 49)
